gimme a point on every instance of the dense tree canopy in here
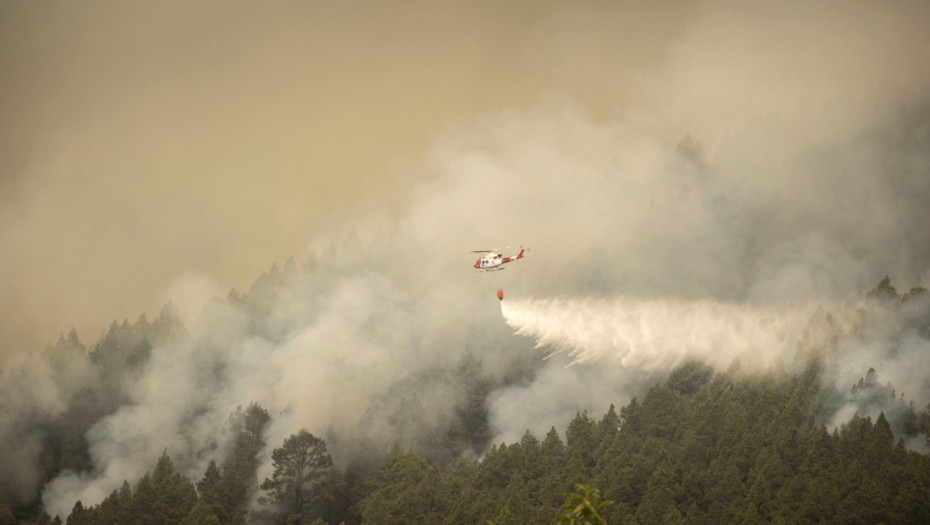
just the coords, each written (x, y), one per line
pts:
(699, 447)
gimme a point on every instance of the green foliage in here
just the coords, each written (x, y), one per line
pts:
(94, 382)
(689, 378)
(208, 485)
(706, 448)
(404, 490)
(300, 464)
(700, 448)
(164, 496)
(79, 515)
(44, 519)
(200, 514)
(228, 491)
(583, 508)
(470, 430)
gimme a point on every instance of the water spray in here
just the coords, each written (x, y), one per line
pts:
(656, 334)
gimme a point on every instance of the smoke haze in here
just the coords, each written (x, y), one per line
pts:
(683, 188)
(141, 142)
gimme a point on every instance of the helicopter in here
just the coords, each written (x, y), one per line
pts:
(494, 260)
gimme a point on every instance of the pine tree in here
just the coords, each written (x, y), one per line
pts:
(78, 516)
(581, 442)
(661, 494)
(405, 489)
(299, 466)
(231, 491)
(208, 486)
(200, 514)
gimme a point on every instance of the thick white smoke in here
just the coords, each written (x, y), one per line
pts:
(730, 197)
(327, 352)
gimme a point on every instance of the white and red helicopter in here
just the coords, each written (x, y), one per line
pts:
(494, 260)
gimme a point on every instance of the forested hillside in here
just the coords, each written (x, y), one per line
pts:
(700, 446)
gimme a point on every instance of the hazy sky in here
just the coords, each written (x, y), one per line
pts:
(144, 144)
(723, 157)
(145, 141)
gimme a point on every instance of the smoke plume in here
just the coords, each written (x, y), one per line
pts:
(777, 160)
